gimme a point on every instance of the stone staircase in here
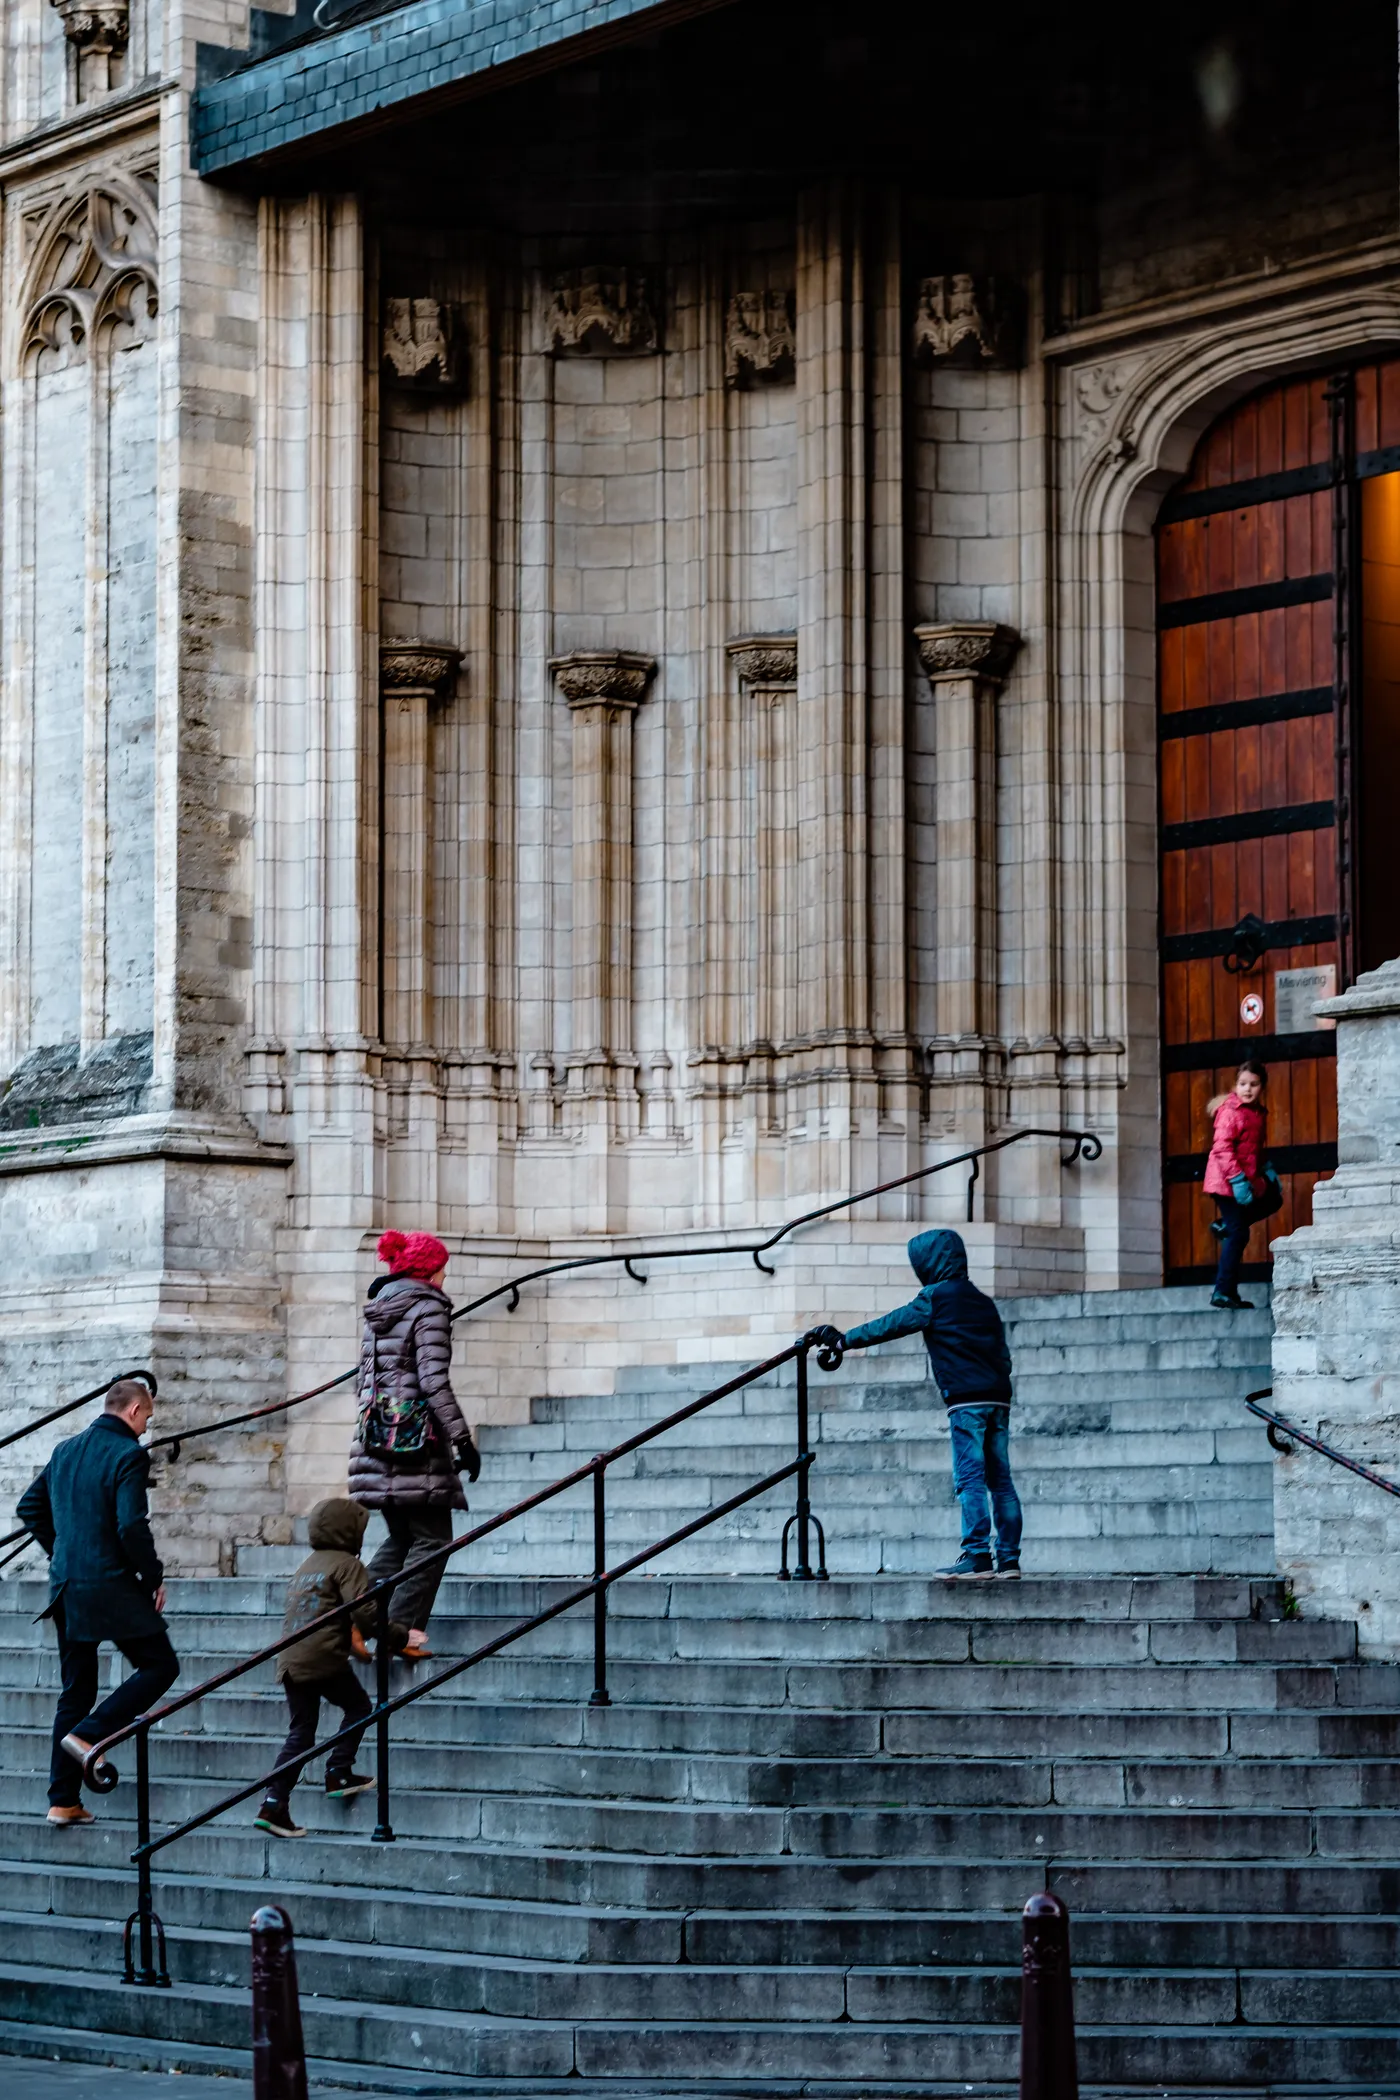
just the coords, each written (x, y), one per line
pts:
(1131, 1449)
(789, 1857)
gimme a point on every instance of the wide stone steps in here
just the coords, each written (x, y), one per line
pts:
(1131, 1449)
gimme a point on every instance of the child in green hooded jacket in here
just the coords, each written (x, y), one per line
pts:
(319, 1667)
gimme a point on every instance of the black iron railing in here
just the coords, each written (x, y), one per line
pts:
(1083, 1145)
(1276, 1428)
(145, 1961)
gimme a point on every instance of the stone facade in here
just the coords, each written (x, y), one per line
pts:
(1337, 1334)
(565, 738)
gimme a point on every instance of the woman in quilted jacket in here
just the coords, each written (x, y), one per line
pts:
(406, 1353)
(1235, 1177)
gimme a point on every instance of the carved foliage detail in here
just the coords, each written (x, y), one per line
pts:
(615, 677)
(95, 28)
(966, 649)
(421, 344)
(94, 266)
(759, 338)
(409, 664)
(969, 321)
(765, 659)
(601, 312)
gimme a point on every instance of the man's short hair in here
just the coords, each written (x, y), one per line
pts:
(124, 1394)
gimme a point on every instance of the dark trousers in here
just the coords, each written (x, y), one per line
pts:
(304, 1698)
(154, 1666)
(982, 1466)
(414, 1529)
(1238, 1221)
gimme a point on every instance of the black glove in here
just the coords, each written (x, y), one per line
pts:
(827, 1338)
(466, 1458)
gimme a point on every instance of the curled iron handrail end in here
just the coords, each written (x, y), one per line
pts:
(759, 1262)
(627, 1265)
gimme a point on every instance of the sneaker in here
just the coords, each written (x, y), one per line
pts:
(72, 1812)
(1008, 1571)
(341, 1785)
(1221, 1303)
(967, 1564)
(276, 1818)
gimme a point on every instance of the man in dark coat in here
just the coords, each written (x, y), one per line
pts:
(968, 1356)
(87, 1509)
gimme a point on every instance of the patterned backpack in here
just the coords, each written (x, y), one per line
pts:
(396, 1427)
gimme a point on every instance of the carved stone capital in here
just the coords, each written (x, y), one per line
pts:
(601, 312)
(408, 664)
(609, 677)
(420, 344)
(95, 28)
(759, 339)
(966, 649)
(968, 321)
(765, 659)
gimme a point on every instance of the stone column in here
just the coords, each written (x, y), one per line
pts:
(1336, 1305)
(603, 689)
(411, 675)
(966, 662)
(767, 666)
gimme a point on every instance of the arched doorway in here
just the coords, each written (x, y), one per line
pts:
(1278, 613)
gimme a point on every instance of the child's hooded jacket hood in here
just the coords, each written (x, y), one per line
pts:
(961, 1327)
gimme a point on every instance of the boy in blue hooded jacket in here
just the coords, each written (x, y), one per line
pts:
(967, 1353)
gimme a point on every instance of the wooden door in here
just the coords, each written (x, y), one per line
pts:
(1278, 612)
(1247, 773)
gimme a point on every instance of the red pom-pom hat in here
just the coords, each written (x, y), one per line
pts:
(412, 1254)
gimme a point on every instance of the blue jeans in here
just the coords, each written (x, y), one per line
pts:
(982, 1461)
(1239, 1223)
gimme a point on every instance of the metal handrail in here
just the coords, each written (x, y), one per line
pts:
(1085, 1145)
(1339, 1458)
(101, 1775)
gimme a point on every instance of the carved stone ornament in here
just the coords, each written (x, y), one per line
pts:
(93, 269)
(765, 659)
(95, 28)
(420, 344)
(969, 321)
(408, 664)
(617, 677)
(759, 338)
(601, 312)
(966, 649)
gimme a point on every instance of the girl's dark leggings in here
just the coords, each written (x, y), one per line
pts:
(1239, 1223)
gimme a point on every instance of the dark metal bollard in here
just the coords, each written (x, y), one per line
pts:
(279, 2054)
(1048, 2067)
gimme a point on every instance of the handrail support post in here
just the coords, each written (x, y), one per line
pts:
(599, 1695)
(383, 1833)
(150, 1933)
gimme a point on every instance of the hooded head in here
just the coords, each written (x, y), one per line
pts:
(938, 1257)
(415, 1254)
(337, 1526)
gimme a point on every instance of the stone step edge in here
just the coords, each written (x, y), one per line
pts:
(432, 1900)
(540, 1965)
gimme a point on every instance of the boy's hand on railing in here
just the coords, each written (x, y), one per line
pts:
(830, 1345)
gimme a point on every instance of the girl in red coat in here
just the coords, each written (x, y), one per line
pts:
(1235, 1177)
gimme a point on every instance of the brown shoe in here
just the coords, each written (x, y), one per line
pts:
(415, 1651)
(76, 1813)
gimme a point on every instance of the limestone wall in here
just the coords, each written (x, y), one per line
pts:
(1337, 1338)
